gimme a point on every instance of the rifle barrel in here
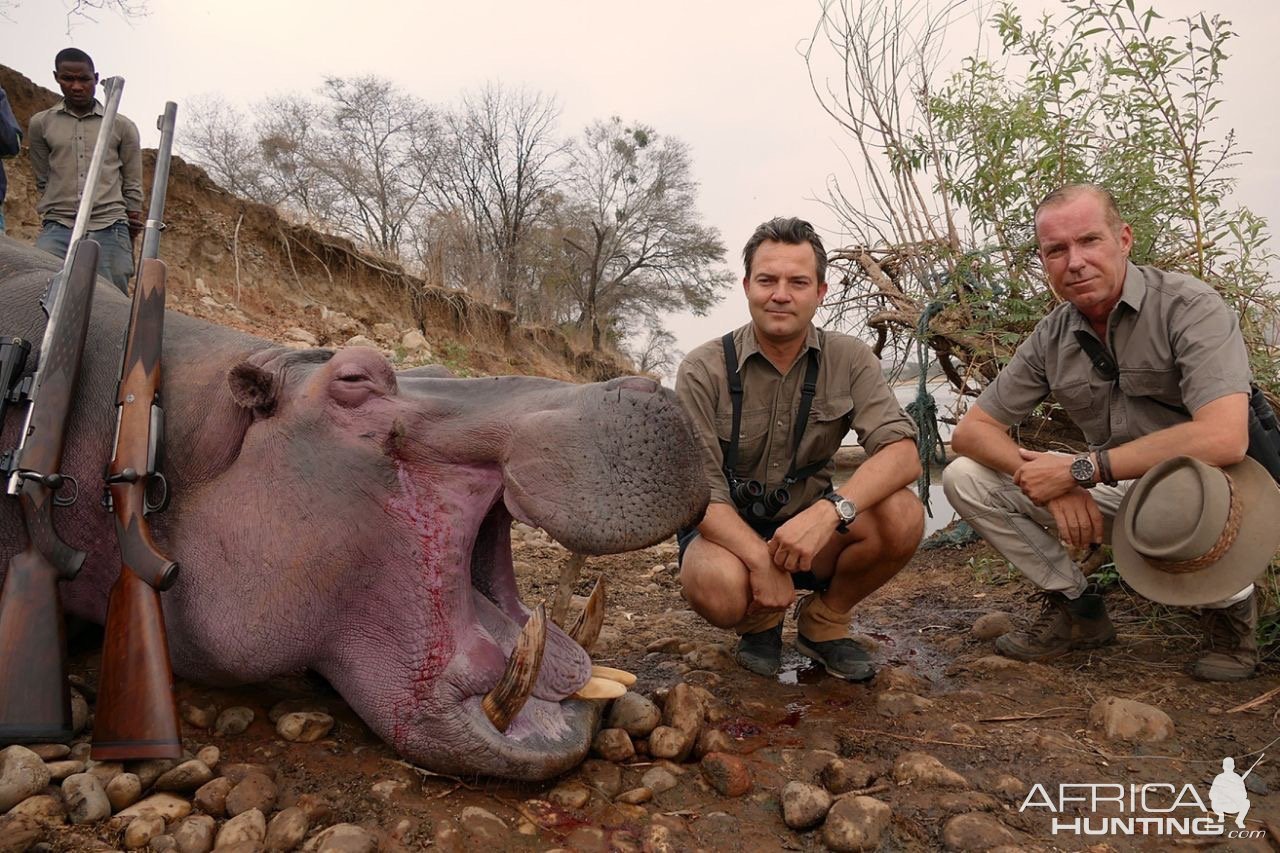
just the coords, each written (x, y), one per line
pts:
(160, 182)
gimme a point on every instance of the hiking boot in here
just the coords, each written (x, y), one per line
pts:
(1065, 624)
(761, 652)
(842, 658)
(1231, 636)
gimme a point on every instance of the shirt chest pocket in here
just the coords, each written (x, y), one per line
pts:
(1163, 385)
(753, 433)
(828, 425)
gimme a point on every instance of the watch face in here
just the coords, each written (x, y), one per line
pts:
(846, 510)
(1082, 470)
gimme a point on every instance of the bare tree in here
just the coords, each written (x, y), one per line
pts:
(498, 170)
(376, 144)
(635, 244)
(657, 353)
(217, 136)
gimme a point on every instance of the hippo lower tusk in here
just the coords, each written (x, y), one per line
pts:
(564, 590)
(504, 701)
(586, 628)
(600, 688)
(626, 679)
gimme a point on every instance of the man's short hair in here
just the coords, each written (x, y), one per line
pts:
(73, 54)
(791, 230)
(1070, 192)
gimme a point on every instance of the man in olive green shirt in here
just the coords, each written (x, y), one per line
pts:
(1180, 388)
(61, 140)
(774, 523)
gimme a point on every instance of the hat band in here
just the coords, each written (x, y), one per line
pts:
(1228, 537)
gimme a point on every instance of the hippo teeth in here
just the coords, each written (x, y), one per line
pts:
(586, 628)
(504, 701)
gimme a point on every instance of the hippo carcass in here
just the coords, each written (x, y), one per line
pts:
(330, 513)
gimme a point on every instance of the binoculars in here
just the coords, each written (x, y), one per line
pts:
(751, 499)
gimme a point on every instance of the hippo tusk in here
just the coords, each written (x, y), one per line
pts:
(586, 628)
(564, 590)
(626, 679)
(600, 688)
(504, 701)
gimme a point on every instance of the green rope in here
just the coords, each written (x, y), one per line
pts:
(924, 410)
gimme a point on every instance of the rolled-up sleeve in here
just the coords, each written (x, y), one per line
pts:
(1021, 385)
(130, 166)
(878, 419)
(698, 392)
(38, 151)
(1209, 351)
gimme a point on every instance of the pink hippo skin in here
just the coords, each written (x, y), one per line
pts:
(331, 514)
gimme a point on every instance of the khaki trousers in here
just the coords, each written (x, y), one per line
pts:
(1025, 534)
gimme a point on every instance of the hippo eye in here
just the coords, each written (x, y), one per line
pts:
(352, 389)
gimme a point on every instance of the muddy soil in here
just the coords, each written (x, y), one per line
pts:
(1004, 727)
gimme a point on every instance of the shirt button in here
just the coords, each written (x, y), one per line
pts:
(779, 423)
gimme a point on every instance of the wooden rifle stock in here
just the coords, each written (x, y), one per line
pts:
(136, 716)
(35, 700)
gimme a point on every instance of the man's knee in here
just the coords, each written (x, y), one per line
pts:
(967, 484)
(899, 524)
(714, 590)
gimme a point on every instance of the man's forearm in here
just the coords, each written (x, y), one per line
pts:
(887, 471)
(1216, 438)
(988, 444)
(724, 527)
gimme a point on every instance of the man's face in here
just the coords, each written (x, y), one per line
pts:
(783, 291)
(1084, 255)
(78, 82)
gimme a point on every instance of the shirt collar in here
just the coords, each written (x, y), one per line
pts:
(1132, 292)
(98, 109)
(747, 345)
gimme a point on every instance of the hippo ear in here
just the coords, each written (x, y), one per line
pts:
(254, 388)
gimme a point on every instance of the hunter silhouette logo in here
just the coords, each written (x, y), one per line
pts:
(1228, 794)
(1151, 808)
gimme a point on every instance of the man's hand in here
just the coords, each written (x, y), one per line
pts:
(136, 223)
(1044, 476)
(771, 589)
(798, 541)
(1078, 518)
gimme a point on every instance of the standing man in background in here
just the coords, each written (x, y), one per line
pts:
(61, 143)
(10, 142)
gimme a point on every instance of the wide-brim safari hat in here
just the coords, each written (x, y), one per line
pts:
(1188, 533)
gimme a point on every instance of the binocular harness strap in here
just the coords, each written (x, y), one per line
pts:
(807, 392)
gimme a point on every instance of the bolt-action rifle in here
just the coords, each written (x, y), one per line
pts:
(136, 716)
(35, 700)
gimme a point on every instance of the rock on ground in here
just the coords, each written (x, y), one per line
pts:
(976, 831)
(804, 805)
(86, 798)
(856, 823)
(22, 774)
(922, 769)
(1127, 719)
(728, 774)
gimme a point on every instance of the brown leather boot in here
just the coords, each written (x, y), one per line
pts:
(1065, 624)
(1231, 636)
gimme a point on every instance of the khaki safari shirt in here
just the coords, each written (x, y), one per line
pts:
(1173, 338)
(851, 392)
(61, 148)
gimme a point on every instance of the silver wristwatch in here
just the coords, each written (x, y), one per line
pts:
(845, 509)
(1083, 471)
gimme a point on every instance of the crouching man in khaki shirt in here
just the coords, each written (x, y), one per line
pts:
(774, 523)
(1168, 377)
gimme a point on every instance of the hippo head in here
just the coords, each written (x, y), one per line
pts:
(361, 525)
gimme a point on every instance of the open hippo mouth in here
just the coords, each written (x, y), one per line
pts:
(503, 689)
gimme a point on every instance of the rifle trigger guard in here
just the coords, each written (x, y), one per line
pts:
(65, 500)
(149, 506)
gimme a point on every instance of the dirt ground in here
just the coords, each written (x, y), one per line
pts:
(985, 721)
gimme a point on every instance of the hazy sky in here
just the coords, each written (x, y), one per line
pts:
(726, 77)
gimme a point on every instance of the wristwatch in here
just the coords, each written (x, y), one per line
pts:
(1083, 471)
(845, 509)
